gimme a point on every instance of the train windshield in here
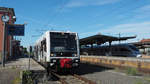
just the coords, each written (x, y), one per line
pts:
(63, 42)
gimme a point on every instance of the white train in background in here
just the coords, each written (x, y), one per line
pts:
(122, 50)
(58, 50)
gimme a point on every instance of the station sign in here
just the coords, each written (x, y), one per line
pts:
(15, 29)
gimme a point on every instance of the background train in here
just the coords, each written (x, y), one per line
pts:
(124, 50)
(58, 50)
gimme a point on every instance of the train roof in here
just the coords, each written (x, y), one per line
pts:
(62, 31)
(44, 35)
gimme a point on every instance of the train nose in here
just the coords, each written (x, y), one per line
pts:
(65, 63)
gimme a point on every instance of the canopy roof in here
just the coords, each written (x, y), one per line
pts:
(100, 39)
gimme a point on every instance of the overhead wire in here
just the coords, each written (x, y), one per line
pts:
(53, 16)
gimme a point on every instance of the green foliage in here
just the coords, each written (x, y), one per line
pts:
(132, 71)
(138, 82)
(17, 80)
(27, 73)
(27, 79)
(147, 79)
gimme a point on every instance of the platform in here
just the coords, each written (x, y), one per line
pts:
(23, 64)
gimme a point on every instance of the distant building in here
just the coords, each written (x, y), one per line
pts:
(144, 46)
(145, 41)
(10, 12)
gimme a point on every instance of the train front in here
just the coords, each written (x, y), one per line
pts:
(64, 49)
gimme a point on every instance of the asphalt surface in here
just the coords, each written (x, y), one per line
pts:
(103, 75)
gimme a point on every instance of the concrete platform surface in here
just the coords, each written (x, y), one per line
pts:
(23, 63)
(11, 73)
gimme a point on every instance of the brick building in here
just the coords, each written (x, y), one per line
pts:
(12, 19)
(145, 41)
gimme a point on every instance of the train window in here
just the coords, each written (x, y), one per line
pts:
(124, 49)
(44, 43)
(133, 47)
(63, 43)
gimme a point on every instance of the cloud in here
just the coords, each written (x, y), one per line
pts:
(81, 3)
(142, 30)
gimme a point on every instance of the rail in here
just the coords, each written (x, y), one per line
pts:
(75, 76)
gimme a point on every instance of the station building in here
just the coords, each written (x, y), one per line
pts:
(145, 47)
(10, 12)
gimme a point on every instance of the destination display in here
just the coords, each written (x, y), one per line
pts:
(15, 30)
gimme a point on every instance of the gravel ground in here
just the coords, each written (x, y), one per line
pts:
(12, 69)
(102, 75)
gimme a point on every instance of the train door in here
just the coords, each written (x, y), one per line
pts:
(43, 50)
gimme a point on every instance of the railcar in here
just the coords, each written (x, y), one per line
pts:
(122, 50)
(58, 50)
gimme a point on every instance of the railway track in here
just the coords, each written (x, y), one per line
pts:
(72, 79)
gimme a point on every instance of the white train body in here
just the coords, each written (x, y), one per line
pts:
(55, 47)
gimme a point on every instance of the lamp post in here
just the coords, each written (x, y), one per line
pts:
(5, 19)
(30, 51)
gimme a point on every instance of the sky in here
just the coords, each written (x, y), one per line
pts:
(87, 17)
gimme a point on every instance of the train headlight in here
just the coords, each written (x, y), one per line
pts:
(53, 55)
(74, 55)
(51, 64)
(76, 60)
(53, 60)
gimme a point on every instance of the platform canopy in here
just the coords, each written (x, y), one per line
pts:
(100, 39)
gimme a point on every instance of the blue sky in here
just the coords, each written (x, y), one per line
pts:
(87, 17)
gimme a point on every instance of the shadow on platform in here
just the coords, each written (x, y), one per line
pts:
(86, 68)
(15, 58)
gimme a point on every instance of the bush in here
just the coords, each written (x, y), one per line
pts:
(132, 71)
(27, 79)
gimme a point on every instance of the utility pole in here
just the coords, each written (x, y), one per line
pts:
(4, 47)
(119, 37)
(30, 51)
(5, 19)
